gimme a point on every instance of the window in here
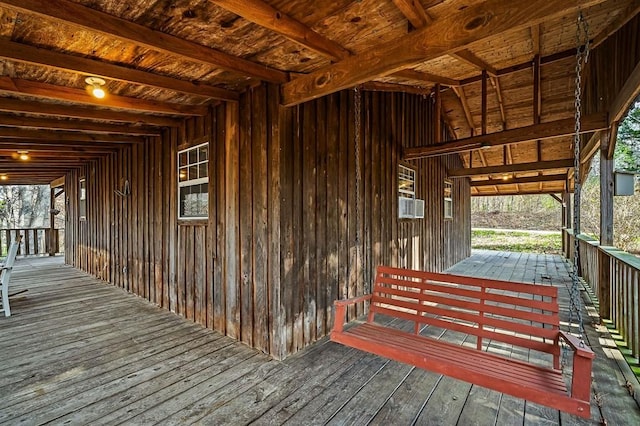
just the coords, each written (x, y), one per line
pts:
(409, 207)
(448, 199)
(193, 182)
(82, 205)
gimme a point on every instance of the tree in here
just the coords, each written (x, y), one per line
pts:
(24, 206)
(627, 153)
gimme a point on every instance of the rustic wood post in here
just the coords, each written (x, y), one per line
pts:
(606, 225)
(50, 235)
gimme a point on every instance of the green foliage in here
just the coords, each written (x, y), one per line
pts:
(627, 153)
(519, 241)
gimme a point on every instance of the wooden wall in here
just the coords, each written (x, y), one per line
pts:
(281, 240)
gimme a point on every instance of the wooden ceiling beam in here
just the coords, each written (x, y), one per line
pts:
(60, 61)
(516, 181)
(414, 12)
(571, 53)
(552, 129)
(512, 168)
(459, 91)
(18, 133)
(377, 86)
(13, 146)
(449, 34)
(625, 97)
(7, 120)
(426, 77)
(516, 192)
(69, 111)
(63, 93)
(266, 16)
(466, 56)
(590, 148)
(98, 22)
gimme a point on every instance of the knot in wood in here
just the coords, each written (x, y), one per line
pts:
(478, 21)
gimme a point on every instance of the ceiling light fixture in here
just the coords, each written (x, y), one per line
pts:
(4, 177)
(23, 155)
(94, 87)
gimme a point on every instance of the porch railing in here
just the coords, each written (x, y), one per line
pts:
(35, 241)
(614, 277)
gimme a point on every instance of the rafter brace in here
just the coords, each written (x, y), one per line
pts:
(548, 130)
(512, 168)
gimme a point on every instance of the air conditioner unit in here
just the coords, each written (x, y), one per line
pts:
(419, 205)
(406, 208)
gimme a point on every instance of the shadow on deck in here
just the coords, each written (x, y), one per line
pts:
(77, 351)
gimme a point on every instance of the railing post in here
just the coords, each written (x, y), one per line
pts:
(604, 283)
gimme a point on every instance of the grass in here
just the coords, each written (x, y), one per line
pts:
(518, 241)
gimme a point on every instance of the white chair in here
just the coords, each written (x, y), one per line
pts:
(5, 275)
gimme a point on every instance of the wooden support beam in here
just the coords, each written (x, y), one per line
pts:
(536, 44)
(438, 114)
(68, 111)
(590, 148)
(517, 181)
(459, 91)
(447, 35)
(626, 96)
(550, 59)
(7, 120)
(63, 93)
(414, 12)
(606, 193)
(466, 56)
(60, 61)
(612, 138)
(552, 129)
(18, 133)
(557, 198)
(267, 16)
(95, 21)
(378, 86)
(512, 168)
(426, 77)
(12, 145)
(495, 82)
(504, 191)
(483, 104)
(57, 183)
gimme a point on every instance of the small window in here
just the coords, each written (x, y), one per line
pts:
(82, 204)
(193, 182)
(409, 207)
(448, 199)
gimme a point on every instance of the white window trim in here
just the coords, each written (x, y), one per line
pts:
(448, 200)
(192, 182)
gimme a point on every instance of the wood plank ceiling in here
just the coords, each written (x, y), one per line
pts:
(497, 66)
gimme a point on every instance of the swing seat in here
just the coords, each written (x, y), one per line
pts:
(516, 328)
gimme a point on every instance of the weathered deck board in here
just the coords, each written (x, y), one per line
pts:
(81, 352)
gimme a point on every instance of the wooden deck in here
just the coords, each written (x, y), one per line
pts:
(77, 351)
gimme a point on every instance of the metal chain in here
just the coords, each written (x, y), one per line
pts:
(582, 56)
(357, 118)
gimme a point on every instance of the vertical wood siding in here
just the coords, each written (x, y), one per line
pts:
(280, 242)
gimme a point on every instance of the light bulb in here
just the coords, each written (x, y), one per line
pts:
(98, 92)
(23, 155)
(4, 177)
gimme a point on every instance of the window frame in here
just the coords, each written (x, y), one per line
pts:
(192, 182)
(82, 198)
(447, 200)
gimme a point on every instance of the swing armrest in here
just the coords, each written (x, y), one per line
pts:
(341, 311)
(578, 346)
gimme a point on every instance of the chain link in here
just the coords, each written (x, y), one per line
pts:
(582, 56)
(357, 122)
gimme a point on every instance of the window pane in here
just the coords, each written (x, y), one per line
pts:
(203, 170)
(194, 201)
(193, 172)
(203, 153)
(183, 174)
(193, 156)
(182, 159)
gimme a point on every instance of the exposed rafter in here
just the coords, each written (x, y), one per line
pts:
(96, 21)
(548, 130)
(446, 35)
(62, 93)
(414, 12)
(38, 56)
(68, 111)
(7, 120)
(625, 16)
(513, 168)
(8, 132)
(515, 181)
